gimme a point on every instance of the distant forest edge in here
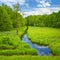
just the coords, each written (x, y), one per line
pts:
(10, 18)
(51, 20)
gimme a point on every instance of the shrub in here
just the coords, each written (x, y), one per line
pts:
(31, 51)
(9, 41)
(23, 45)
(18, 52)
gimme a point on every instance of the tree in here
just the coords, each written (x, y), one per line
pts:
(17, 8)
(10, 18)
(5, 22)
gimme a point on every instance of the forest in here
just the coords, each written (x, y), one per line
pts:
(51, 20)
(10, 19)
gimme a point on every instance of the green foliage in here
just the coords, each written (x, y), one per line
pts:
(55, 48)
(52, 20)
(11, 44)
(18, 52)
(17, 7)
(9, 41)
(5, 22)
(31, 51)
(10, 19)
(23, 46)
(18, 21)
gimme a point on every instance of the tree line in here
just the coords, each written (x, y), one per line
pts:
(10, 19)
(51, 20)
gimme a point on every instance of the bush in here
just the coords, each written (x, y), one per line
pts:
(18, 52)
(11, 52)
(9, 41)
(31, 51)
(23, 45)
(12, 45)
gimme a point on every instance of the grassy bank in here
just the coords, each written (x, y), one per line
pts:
(46, 36)
(11, 43)
(30, 57)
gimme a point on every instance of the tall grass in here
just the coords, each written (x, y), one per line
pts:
(46, 36)
(11, 44)
(43, 35)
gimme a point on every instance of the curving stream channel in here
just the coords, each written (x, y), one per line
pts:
(42, 50)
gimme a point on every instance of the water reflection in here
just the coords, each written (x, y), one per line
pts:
(42, 50)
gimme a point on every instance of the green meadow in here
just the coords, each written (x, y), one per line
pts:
(11, 44)
(12, 47)
(46, 36)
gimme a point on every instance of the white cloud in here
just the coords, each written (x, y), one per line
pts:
(40, 11)
(8, 0)
(21, 1)
(37, 11)
(13, 1)
(44, 3)
(55, 9)
(39, 5)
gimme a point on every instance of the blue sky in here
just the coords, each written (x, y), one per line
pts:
(35, 7)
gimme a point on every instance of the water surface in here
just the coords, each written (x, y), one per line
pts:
(42, 50)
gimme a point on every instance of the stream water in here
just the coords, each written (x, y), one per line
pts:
(42, 50)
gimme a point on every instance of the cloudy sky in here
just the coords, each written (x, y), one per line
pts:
(35, 7)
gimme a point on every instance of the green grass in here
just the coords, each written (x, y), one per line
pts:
(11, 43)
(55, 48)
(29, 57)
(10, 40)
(46, 36)
(22, 51)
(43, 35)
(13, 32)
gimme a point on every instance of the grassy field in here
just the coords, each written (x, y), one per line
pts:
(46, 36)
(29, 57)
(11, 44)
(12, 47)
(43, 35)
